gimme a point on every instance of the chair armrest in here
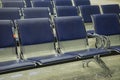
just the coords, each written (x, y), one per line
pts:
(107, 42)
(99, 41)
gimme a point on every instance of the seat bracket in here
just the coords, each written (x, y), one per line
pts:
(100, 62)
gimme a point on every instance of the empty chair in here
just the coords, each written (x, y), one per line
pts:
(111, 8)
(108, 25)
(81, 2)
(62, 2)
(66, 11)
(72, 36)
(38, 12)
(86, 12)
(18, 4)
(72, 39)
(9, 56)
(9, 13)
(43, 3)
(37, 41)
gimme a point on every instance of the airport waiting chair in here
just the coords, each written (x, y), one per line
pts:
(62, 3)
(81, 2)
(37, 12)
(10, 59)
(70, 32)
(108, 26)
(86, 12)
(66, 11)
(37, 42)
(111, 8)
(42, 3)
(72, 39)
(13, 3)
(9, 13)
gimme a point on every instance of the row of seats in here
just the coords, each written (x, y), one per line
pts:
(43, 12)
(37, 41)
(29, 3)
(15, 13)
(86, 11)
(48, 3)
(13, 3)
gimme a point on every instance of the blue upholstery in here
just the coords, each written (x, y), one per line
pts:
(81, 2)
(106, 24)
(52, 59)
(89, 53)
(10, 0)
(35, 31)
(111, 8)
(43, 3)
(6, 41)
(28, 3)
(70, 28)
(87, 11)
(66, 11)
(6, 34)
(39, 34)
(9, 13)
(18, 4)
(36, 12)
(62, 2)
(9, 66)
(116, 48)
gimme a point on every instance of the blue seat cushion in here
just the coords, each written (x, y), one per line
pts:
(69, 56)
(115, 48)
(9, 66)
(53, 59)
(89, 53)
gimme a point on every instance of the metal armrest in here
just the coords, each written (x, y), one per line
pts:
(99, 41)
(106, 42)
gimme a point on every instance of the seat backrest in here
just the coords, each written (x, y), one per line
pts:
(11, 0)
(9, 13)
(111, 8)
(87, 11)
(42, 3)
(81, 2)
(36, 37)
(71, 33)
(66, 11)
(62, 2)
(28, 3)
(38, 12)
(7, 42)
(18, 4)
(108, 25)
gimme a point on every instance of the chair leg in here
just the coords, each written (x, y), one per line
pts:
(85, 63)
(100, 62)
